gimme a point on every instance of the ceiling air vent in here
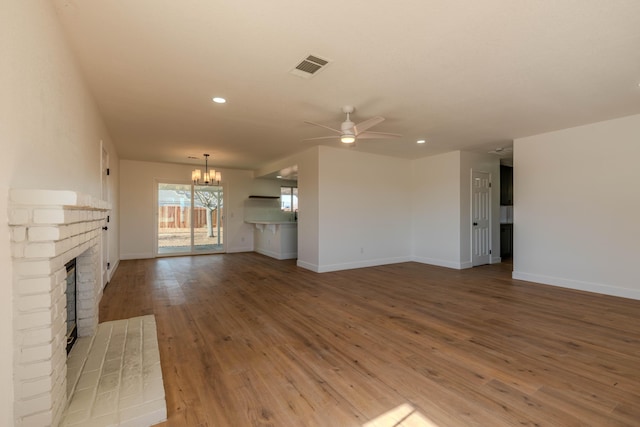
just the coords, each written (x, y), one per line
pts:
(309, 66)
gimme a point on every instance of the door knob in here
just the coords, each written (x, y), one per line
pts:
(105, 228)
(475, 223)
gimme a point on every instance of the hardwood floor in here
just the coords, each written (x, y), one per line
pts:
(247, 340)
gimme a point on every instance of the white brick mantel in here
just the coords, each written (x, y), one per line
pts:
(48, 229)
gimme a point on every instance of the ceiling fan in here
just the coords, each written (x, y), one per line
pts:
(350, 131)
(502, 151)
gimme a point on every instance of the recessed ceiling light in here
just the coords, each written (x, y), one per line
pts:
(421, 141)
(219, 100)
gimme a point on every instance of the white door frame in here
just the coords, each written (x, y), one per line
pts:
(104, 186)
(481, 227)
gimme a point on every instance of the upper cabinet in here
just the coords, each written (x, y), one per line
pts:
(506, 185)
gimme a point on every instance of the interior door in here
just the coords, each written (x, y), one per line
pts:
(104, 173)
(481, 218)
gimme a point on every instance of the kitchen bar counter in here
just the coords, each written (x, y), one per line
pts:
(270, 225)
(277, 239)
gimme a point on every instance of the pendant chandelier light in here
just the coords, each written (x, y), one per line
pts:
(210, 177)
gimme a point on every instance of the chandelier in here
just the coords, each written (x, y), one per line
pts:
(209, 177)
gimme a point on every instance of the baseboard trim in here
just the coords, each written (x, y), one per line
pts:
(277, 255)
(577, 285)
(143, 255)
(442, 263)
(113, 269)
(361, 264)
(307, 266)
(240, 249)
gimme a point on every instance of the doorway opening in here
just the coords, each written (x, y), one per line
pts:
(190, 219)
(506, 212)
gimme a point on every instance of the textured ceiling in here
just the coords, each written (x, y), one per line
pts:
(461, 74)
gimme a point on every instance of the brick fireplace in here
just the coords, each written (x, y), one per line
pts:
(48, 229)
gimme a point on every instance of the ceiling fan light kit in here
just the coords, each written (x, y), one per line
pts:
(348, 139)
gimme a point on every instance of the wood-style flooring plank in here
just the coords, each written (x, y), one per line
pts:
(246, 340)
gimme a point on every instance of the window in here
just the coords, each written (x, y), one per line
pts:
(289, 199)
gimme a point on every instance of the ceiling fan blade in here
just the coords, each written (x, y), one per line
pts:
(363, 126)
(321, 137)
(338, 131)
(378, 135)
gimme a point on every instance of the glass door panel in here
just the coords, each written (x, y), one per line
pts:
(174, 218)
(208, 215)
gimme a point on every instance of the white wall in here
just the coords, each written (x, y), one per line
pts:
(441, 207)
(308, 202)
(435, 209)
(364, 209)
(354, 208)
(576, 215)
(50, 134)
(138, 204)
(358, 209)
(481, 163)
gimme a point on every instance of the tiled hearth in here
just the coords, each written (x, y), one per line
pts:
(48, 229)
(115, 378)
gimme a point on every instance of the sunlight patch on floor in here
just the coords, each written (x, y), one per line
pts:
(404, 415)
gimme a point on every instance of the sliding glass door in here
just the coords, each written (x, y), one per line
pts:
(208, 218)
(190, 219)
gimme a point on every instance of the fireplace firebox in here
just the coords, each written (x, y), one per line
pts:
(71, 293)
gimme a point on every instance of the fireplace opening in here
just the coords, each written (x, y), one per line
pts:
(71, 292)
